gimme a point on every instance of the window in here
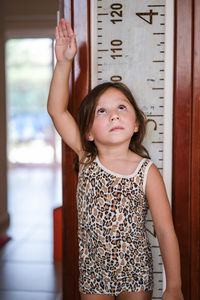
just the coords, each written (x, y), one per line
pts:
(32, 138)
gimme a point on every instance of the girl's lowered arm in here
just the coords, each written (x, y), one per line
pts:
(59, 89)
(162, 218)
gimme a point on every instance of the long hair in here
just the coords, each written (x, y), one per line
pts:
(86, 115)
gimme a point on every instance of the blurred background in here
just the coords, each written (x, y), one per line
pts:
(30, 152)
(31, 136)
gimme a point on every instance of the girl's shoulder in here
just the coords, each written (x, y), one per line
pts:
(136, 159)
(85, 162)
(154, 178)
(144, 163)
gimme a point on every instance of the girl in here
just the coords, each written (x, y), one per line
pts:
(117, 184)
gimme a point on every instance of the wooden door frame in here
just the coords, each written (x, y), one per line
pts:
(186, 142)
(77, 13)
(195, 174)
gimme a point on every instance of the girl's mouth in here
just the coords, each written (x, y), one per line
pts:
(116, 128)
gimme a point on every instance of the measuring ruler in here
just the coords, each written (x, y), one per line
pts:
(128, 45)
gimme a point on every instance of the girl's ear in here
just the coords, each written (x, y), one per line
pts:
(89, 137)
(136, 129)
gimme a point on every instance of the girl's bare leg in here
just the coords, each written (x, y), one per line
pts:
(97, 297)
(135, 296)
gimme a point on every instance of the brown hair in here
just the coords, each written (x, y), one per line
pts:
(86, 115)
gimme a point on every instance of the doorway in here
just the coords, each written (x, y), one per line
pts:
(28, 270)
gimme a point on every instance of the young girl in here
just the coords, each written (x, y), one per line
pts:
(116, 186)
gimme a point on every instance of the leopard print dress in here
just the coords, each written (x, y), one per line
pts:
(114, 251)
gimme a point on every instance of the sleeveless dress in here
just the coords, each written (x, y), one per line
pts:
(114, 251)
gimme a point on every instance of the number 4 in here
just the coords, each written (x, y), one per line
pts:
(150, 14)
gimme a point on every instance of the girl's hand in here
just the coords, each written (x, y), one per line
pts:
(65, 42)
(174, 294)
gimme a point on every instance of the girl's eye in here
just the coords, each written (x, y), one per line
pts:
(101, 111)
(122, 107)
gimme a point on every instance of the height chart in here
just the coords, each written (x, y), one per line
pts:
(128, 40)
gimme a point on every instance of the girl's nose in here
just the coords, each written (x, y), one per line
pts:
(114, 115)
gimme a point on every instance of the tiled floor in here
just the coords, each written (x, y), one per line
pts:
(27, 269)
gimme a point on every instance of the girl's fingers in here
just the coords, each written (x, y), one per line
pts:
(56, 33)
(64, 29)
(65, 36)
(60, 32)
(71, 35)
(69, 29)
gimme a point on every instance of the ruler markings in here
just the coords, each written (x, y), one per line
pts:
(156, 5)
(157, 272)
(158, 116)
(102, 50)
(109, 67)
(159, 33)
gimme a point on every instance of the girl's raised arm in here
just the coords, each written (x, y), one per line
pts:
(59, 89)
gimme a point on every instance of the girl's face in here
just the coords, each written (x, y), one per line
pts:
(115, 119)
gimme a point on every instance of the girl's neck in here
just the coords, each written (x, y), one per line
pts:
(117, 156)
(120, 162)
(113, 152)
